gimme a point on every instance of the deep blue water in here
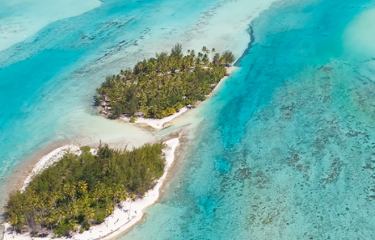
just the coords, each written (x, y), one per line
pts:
(286, 150)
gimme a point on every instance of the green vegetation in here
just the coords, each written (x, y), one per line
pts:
(133, 118)
(82, 190)
(160, 86)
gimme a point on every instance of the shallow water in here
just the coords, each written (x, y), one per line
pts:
(49, 79)
(286, 150)
(283, 150)
(19, 19)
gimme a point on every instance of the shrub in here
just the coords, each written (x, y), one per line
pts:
(154, 87)
(133, 118)
(80, 189)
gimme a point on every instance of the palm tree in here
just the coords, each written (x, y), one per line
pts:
(82, 186)
(89, 213)
(60, 216)
(54, 196)
(73, 224)
(72, 192)
(123, 193)
(205, 60)
(65, 192)
(109, 210)
(97, 193)
(39, 205)
(116, 192)
(39, 220)
(35, 204)
(132, 197)
(222, 60)
(192, 53)
(228, 57)
(24, 207)
(73, 211)
(50, 220)
(107, 191)
(13, 218)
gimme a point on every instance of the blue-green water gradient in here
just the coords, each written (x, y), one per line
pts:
(286, 147)
(286, 150)
(48, 81)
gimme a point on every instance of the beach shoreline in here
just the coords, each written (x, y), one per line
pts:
(222, 39)
(20, 173)
(159, 124)
(122, 219)
(47, 160)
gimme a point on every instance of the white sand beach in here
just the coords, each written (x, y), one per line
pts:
(48, 160)
(222, 27)
(122, 218)
(160, 123)
(156, 123)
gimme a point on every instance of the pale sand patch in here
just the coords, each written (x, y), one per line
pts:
(225, 26)
(159, 123)
(28, 17)
(156, 123)
(122, 219)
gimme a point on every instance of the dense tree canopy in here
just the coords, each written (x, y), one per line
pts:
(162, 85)
(82, 190)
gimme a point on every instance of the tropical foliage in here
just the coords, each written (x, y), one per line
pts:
(162, 85)
(79, 191)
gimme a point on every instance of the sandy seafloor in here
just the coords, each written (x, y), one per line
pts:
(48, 80)
(284, 150)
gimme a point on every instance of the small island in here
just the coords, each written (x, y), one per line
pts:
(80, 191)
(161, 86)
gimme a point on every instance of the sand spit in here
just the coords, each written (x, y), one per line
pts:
(156, 123)
(122, 219)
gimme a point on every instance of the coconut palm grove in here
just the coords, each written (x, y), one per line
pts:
(160, 86)
(81, 190)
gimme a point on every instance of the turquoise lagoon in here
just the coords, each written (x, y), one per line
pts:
(47, 82)
(285, 149)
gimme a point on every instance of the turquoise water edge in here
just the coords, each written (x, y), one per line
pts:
(286, 147)
(48, 81)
